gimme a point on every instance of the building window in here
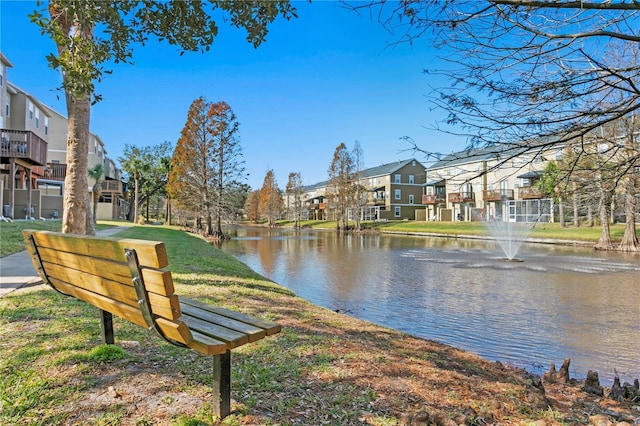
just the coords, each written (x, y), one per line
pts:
(411, 179)
(46, 125)
(397, 194)
(30, 110)
(106, 197)
(397, 211)
(37, 118)
(411, 198)
(397, 178)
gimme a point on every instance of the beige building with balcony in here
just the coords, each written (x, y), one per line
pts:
(33, 158)
(495, 183)
(23, 148)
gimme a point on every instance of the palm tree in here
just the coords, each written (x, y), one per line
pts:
(96, 173)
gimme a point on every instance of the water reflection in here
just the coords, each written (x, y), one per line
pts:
(560, 302)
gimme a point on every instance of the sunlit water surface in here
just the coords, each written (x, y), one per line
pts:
(560, 302)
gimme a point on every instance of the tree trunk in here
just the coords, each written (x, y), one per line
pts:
(561, 212)
(589, 216)
(136, 194)
(97, 189)
(604, 242)
(168, 214)
(629, 239)
(576, 211)
(76, 199)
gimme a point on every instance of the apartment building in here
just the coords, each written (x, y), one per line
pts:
(33, 159)
(23, 147)
(393, 193)
(495, 183)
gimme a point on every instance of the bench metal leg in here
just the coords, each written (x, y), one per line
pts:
(106, 326)
(222, 384)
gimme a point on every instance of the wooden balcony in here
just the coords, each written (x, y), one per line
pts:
(23, 145)
(529, 193)
(376, 201)
(497, 194)
(55, 171)
(315, 206)
(114, 186)
(461, 197)
(434, 199)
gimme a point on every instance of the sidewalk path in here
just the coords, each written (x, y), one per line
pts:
(16, 270)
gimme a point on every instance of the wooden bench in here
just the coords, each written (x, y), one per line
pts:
(127, 278)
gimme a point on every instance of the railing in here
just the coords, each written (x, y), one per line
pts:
(314, 206)
(23, 144)
(433, 198)
(497, 194)
(461, 197)
(529, 192)
(55, 171)
(376, 201)
(111, 186)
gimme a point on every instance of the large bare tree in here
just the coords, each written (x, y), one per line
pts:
(341, 185)
(271, 202)
(207, 163)
(294, 192)
(91, 34)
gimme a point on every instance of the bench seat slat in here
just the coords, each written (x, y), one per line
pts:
(232, 338)
(268, 326)
(150, 253)
(164, 306)
(207, 345)
(253, 333)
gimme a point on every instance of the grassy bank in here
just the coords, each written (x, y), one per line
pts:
(541, 231)
(11, 237)
(324, 368)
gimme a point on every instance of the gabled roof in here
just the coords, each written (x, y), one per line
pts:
(7, 63)
(386, 169)
(473, 155)
(309, 188)
(13, 89)
(383, 170)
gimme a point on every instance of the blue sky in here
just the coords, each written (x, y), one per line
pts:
(328, 77)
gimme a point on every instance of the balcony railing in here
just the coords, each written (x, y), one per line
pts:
(373, 201)
(529, 192)
(461, 197)
(111, 186)
(315, 206)
(433, 199)
(24, 145)
(55, 171)
(497, 194)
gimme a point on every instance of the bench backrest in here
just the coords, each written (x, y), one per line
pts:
(97, 271)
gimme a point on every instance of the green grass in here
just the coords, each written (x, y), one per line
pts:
(11, 232)
(45, 333)
(479, 229)
(51, 358)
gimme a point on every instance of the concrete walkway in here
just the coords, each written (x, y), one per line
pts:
(16, 270)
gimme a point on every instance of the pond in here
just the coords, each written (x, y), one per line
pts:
(559, 302)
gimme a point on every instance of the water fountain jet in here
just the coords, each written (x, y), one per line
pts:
(510, 237)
